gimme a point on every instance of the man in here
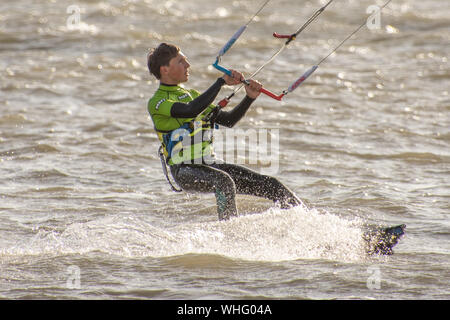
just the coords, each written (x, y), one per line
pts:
(184, 119)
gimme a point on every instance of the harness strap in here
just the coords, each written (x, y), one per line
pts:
(164, 167)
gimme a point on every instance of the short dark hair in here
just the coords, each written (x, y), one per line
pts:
(161, 56)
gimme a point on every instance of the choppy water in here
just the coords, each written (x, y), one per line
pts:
(87, 213)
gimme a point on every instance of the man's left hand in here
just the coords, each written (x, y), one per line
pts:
(253, 89)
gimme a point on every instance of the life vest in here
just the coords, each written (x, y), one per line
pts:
(189, 143)
(183, 139)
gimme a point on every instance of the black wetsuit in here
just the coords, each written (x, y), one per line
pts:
(223, 179)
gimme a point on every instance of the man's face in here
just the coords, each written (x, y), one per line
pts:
(178, 70)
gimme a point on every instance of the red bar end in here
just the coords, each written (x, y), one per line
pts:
(272, 95)
(281, 36)
(223, 103)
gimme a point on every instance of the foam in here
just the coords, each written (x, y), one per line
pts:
(274, 235)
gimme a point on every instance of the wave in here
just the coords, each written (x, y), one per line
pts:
(14, 119)
(39, 148)
(274, 235)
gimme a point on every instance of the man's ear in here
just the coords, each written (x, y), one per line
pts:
(163, 70)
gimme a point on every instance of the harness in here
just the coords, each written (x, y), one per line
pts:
(193, 133)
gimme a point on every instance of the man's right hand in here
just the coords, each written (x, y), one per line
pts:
(235, 79)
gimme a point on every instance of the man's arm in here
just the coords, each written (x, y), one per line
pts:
(199, 104)
(230, 118)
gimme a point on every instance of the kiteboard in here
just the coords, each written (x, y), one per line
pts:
(381, 240)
